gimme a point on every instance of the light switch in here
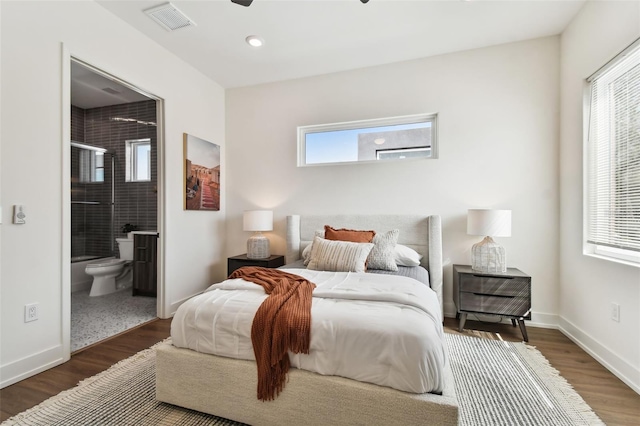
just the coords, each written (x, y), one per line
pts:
(19, 217)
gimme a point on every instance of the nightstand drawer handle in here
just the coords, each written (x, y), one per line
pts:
(493, 276)
(494, 295)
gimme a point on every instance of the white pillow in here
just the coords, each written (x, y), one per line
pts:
(382, 255)
(306, 253)
(406, 256)
(338, 256)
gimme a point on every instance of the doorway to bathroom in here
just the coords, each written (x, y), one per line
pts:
(114, 205)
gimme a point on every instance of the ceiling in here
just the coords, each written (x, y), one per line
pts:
(311, 37)
(90, 89)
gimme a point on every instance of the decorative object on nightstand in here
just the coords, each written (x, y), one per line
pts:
(235, 262)
(487, 255)
(505, 294)
(257, 221)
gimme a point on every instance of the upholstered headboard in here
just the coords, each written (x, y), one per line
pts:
(421, 233)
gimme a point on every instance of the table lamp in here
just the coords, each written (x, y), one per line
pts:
(257, 221)
(487, 255)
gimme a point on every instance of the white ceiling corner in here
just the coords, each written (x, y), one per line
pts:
(311, 37)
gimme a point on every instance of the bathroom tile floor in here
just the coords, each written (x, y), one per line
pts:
(96, 318)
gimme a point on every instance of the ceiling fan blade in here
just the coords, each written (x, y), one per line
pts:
(245, 3)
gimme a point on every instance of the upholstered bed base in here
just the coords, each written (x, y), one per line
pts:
(226, 388)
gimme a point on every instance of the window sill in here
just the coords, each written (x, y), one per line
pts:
(613, 259)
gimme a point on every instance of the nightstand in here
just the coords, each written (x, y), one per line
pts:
(507, 294)
(235, 262)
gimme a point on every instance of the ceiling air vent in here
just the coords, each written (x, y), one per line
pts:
(169, 17)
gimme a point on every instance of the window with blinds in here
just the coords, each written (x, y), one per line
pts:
(613, 159)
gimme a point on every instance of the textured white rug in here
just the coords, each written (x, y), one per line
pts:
(498, 383)
(505, 383)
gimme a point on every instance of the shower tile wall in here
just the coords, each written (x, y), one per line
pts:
(135, 202)
(77, 124)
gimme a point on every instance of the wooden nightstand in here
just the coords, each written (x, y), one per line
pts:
(235, 262)
(507, 294)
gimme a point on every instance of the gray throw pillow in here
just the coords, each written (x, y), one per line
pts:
(382, 255)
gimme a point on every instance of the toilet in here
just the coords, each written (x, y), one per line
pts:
(111, 274)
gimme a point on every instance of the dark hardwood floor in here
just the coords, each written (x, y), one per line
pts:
(84, 363)
(610, 398)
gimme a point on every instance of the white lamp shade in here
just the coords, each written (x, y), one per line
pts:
(486, 222)
(257, 220)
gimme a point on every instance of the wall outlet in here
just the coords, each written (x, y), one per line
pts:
(615, 312)
(30, 312)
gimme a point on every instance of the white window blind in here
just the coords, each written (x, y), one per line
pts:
(613, 155)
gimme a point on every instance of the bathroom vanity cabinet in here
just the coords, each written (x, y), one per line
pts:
(145, 269)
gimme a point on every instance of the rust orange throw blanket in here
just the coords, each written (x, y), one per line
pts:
(282, 323)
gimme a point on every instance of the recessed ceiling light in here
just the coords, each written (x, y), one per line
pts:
(254, 41)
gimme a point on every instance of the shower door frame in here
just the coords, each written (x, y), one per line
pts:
(67, 58)
(112, 200)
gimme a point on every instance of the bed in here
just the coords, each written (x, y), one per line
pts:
(226, 386)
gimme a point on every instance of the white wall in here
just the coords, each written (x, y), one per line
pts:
(590, 285)
(499, 133)
(34, 264)
(498, 112)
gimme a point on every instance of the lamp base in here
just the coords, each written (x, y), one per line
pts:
(488, 256)
(258, 247)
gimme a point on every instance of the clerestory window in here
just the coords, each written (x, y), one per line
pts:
(386, 139)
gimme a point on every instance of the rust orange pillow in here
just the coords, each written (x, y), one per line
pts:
(352, 235)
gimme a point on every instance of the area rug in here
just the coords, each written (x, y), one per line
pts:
(498, 383)
(505, 383)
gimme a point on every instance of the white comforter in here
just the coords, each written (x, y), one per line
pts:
(380, 329)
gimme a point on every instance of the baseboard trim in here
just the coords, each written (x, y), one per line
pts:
(541, 320)
(30, 366)
(538, 319)
(610, 360)
(449, 309)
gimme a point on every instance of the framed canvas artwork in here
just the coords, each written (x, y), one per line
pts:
(201, 174)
